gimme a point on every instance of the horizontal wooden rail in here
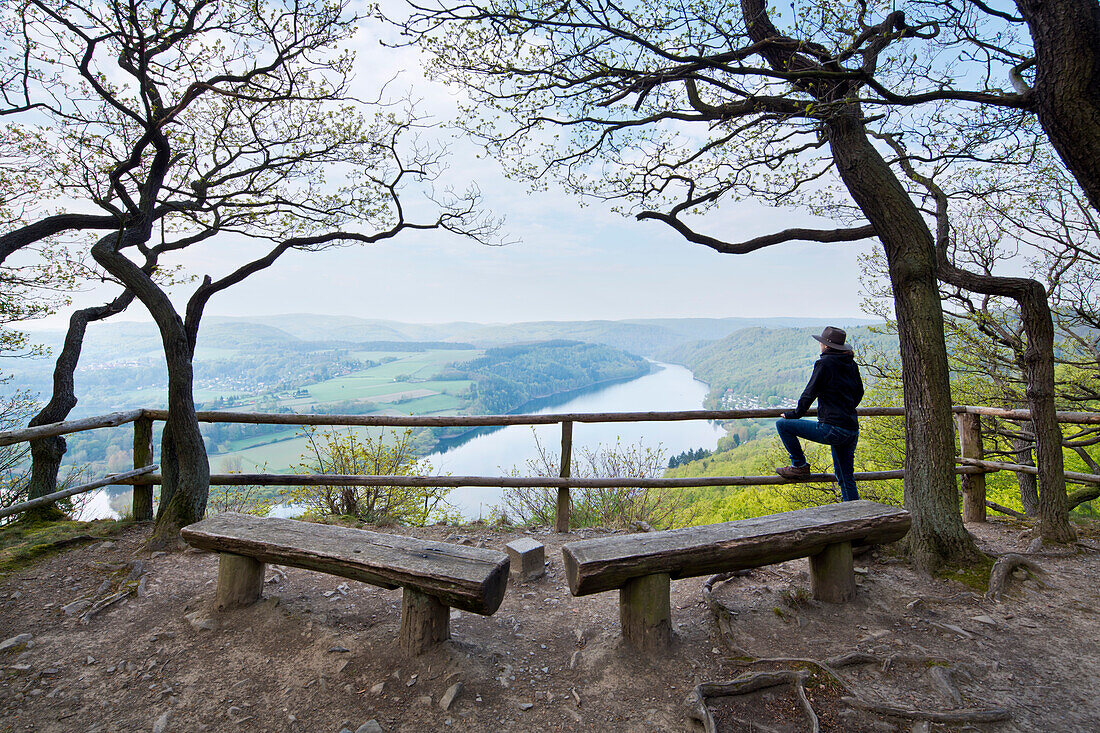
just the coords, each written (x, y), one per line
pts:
(473, 421)
(118, 478)
(521, 482)
(1073, 418)
(10, 437)
(1072, 476)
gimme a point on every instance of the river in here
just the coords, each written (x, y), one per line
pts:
(667, 388)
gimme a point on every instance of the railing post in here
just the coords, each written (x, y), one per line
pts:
(562, 522)
(973, 485)
(143, 456)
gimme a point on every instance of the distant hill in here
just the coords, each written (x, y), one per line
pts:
(771, 365)
(645, 337)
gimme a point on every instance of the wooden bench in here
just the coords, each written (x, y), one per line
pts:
(640, 566)
(434, 576)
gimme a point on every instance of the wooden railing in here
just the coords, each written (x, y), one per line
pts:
(973, 465)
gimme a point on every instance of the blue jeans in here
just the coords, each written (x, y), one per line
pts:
(841, 440)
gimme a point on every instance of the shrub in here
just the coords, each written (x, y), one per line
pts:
(610, 507)
(358, 453)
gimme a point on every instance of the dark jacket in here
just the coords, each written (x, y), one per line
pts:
(836, 386)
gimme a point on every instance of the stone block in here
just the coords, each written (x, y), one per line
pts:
(527, 558)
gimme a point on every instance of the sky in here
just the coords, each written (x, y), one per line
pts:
(568, 261)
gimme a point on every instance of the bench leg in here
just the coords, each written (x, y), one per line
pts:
(831, 577)
(644, 612)
(240, 581)
(424, 621)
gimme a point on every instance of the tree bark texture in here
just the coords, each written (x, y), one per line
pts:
(184, 465)
(1029, 486)
(938, 535)
(1039, 375)
(1066, 37)
(1038, 367)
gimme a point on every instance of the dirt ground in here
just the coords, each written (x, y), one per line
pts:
(318, 653)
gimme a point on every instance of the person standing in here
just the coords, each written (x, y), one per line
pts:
(837, 387)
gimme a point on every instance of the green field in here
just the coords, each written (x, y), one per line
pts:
(277, 457)
(359, 386)
(433, 405)
(410, 396)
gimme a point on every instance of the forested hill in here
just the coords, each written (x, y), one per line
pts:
(762, 366)
(508, 377)
(646, 337)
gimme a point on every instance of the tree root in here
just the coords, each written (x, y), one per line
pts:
(751, 681)
(132, 584)
(742, 685)
(1002, 572)
(1037, 549)
(970, 715)
(798, 679)
(723, 615)
(941, 680)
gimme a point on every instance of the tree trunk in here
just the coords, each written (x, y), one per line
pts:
(1029, 488)
(1038, 366)
(185, 468)
(1066, 36)
(47, 453)
(937, 536)
(1039, 374)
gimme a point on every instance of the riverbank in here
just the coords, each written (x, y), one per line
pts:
(318, 653)
(667, 387)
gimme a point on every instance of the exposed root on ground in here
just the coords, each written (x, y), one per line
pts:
(814, 673)
(129, 581)
(723, 615)
(804, 673)
(1000, 576)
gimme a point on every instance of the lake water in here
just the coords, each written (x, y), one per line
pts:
(666, 389)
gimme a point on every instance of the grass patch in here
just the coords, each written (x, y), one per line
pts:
(22, 544)
(974, 576)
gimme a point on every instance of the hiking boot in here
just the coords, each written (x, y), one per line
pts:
(791, 472)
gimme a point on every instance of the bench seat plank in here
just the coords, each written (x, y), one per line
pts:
(470, 578)
(606, 563)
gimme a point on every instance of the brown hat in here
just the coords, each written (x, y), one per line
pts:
(833, 337)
